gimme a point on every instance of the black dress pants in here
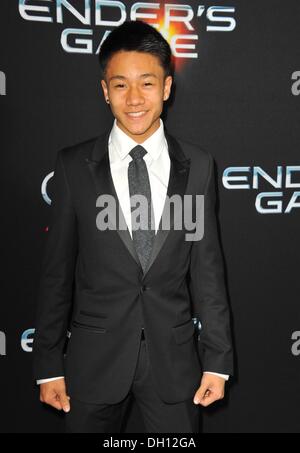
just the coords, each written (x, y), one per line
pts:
(158, 416)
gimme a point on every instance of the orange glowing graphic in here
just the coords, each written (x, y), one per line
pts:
(169, 32)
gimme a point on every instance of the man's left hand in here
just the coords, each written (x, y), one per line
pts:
(212, 388)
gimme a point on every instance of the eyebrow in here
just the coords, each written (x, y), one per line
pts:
(148, 74)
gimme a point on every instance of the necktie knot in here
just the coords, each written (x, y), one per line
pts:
(138, 152)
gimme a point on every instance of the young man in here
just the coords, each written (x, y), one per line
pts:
(129, 295)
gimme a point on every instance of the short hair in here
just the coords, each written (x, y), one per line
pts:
(137, 36)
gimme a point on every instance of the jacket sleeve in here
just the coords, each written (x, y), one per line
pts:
(54, 299)
(208, 291)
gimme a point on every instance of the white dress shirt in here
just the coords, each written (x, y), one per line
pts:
(158, 165)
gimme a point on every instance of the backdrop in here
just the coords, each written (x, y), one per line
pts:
(237, 95)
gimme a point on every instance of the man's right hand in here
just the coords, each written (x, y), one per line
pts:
(54, 394)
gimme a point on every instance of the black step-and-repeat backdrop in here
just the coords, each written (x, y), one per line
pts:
(237, 95)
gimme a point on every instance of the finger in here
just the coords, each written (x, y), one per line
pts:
(200, 393)
(56, 404)
(211, 396)
(64, 401)
(48, 397)
(52, 401)
(207, 400)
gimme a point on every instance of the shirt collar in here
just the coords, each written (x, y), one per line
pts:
(124, 144)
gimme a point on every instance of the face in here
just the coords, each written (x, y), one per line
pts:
(136, 87)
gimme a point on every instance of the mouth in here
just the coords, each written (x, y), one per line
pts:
(136, 115)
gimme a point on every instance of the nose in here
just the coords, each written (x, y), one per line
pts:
(134, 96)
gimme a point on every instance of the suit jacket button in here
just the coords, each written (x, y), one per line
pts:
(144, 288)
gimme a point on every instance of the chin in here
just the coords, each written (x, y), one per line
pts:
(138, 129)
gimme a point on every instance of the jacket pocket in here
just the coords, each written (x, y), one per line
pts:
(184, 332)
(94, 329)
(92, 314)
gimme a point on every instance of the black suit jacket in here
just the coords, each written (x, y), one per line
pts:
(92, 284)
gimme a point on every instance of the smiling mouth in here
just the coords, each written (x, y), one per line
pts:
(136, 114)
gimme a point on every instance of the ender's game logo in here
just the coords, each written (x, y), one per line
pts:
(282, 184)
(93, 20)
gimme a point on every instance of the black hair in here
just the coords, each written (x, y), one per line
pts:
(137, 36)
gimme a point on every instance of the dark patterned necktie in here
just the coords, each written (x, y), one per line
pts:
(139, 184)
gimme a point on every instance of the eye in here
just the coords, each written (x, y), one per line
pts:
(148, 83)
(120, 85)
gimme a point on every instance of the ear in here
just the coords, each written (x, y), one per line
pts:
(104, 88)
(167, 87)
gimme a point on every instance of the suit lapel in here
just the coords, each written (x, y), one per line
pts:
(179, 173)
(99, 166)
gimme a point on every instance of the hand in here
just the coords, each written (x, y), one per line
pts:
(212, 388)
(54, 394)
